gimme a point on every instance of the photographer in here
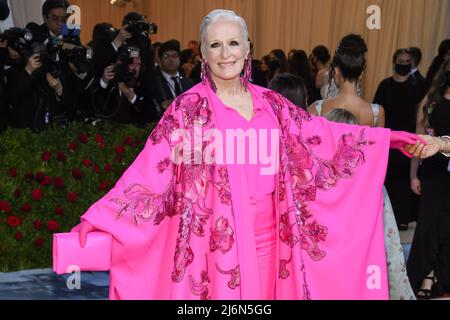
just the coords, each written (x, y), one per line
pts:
(80, 78)
(123, 93)
(54, 13)
(135, 33)
(36, 84)
(4, 107)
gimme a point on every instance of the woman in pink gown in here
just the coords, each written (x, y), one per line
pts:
(294, 213)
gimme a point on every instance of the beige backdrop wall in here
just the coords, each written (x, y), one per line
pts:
(300, 24)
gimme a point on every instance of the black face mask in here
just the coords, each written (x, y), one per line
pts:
(403, 69)
(448, 78)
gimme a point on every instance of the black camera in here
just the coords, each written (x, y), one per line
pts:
(51, 57)
(80, 57)
(19, 40)
(125, 57)
(141, 27)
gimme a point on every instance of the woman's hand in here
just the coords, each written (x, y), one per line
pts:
(83, 229)
(433, 146)
(416, 186)
(407, 143)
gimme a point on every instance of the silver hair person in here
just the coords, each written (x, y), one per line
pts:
(219, 14)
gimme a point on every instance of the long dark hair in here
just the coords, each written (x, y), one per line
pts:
(438, 89)
(292, 87)
(299, 65)
(444, 48)
(281, 57)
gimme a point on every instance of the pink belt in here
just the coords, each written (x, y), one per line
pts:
(265, 237)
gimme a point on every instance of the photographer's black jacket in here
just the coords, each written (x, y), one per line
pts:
(105, 55)
(4, 107)
(31, 98)
(109, 104)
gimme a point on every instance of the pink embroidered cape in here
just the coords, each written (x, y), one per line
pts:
(184, 231)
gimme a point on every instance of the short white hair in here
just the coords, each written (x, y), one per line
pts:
(221, 14)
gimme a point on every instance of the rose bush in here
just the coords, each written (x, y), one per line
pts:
(48, 180)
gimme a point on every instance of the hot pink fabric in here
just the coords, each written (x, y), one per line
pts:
(266, 243)
(187, 232)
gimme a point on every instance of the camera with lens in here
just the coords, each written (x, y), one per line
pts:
(51, 57)
(141, 27)
(81, 58)
(19, 40)
(125, 57)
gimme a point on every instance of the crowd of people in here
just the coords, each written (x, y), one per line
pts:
(49, 78)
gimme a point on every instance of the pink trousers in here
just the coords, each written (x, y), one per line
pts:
(265, 237)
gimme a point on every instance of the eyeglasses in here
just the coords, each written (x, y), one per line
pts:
(173, 56)
(62, 19)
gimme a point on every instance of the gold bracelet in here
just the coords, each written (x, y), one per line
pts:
(446, 148)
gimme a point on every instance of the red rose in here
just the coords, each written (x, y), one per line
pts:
(72, 197)
(26, 208)
(77, 173)
(14, 221)
(13, 172)
(83, 137)
(120, 150)
(37, 224)
(52, 225)
(47, 181)
(37, 194)
(39, 176)
(61, 156)
(101, 145)
(29, 176)
(119, 159)
(99, 139)
(18, 236)
(39, 242)
(59, 211)
(46, 156)
(97, 169)
(17, 193)
(73, 145)
(128, 141)
(58, 182)
(108, 167)
(87, 163)
(104, 186)
(5, 206)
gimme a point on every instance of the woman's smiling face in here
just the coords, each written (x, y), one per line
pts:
(226, 49)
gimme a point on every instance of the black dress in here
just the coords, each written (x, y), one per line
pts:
(431, 246)
(400, 101)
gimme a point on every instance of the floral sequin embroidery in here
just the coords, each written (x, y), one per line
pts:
(235, 276)
(200, 288)
(222, 236)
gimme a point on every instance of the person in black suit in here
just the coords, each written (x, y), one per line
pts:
(38, 98)
(173, 83)
(108, 45)
(39, 94)
(4, 107)
(123, 94)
